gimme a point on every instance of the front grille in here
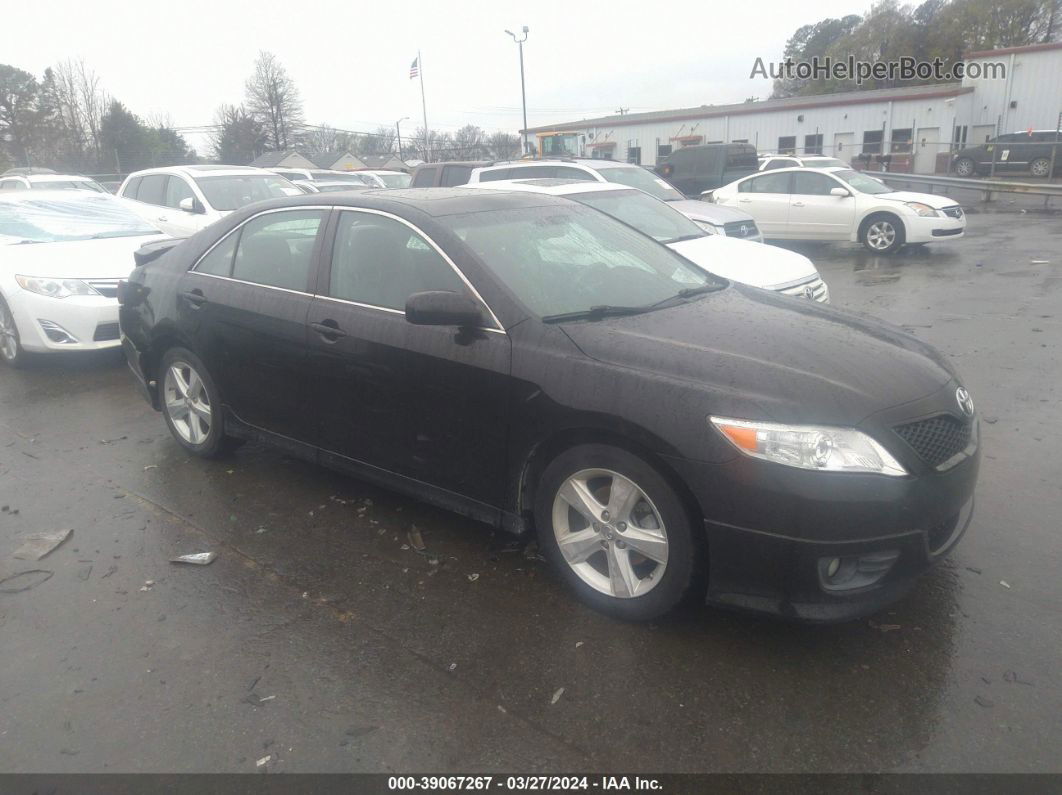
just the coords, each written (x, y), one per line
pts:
(108, 288)
(741, 229)
(953, 212)
(816, 285)
(106, 332)
(941, 532)
(937, 439)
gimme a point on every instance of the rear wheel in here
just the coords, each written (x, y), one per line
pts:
(1040, 167)
(882, 234)
(965, 167)
(10, 344)
(616, 531)
(191, 404)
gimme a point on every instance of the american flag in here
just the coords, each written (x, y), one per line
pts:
(414, 69)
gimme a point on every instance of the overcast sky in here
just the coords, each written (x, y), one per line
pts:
(351, 59)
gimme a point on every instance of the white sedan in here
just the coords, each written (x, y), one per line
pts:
(743, 261)
(842, 204)
(62, 254)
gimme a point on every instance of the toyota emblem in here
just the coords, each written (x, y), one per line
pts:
(809, 293)
(966, 404)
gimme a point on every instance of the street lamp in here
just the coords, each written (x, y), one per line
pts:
(398, 130)
(523, 94)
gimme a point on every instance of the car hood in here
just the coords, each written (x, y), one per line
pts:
(744, 261)
(759, 353)
(936, 202)
(712, 213)
(108, 258)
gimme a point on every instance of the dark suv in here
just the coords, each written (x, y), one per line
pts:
(695, 169)
(1027, 152)
(444, 175)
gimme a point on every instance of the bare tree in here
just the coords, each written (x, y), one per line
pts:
(469, 144)
(380, 142)
(321, 138)
(94, 102)
(273, 99)
(504, 146)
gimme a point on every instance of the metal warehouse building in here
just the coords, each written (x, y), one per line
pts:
(918, 125)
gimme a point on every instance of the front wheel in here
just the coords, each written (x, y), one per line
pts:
(191, 404)
(882, 234)
(965, 167)
(1040, 167)
(10, 344)
(616, 531)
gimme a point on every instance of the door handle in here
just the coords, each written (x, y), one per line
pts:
(798, 204)
(744, 201)
(162, 218)
(195, 298)
(329, 329)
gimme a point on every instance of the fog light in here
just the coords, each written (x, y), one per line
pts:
(57, 333)
(856, 571)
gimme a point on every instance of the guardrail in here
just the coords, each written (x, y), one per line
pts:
(986, 186)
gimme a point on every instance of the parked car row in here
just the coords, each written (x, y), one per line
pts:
(46, 179)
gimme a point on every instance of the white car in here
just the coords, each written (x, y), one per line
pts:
(713, 220)
(842, 204)
(62, 254)
(34, 181)
(386, 179)
(327, 186)
(743, 261)
(770, 162)
(181, 200)
(323, 174)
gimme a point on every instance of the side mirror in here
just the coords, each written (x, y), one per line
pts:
(191, 204)
(840, 192)
(438, 308)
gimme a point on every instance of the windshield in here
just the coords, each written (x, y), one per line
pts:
(339, 186)
(71, 184)
(233, 192)
(648, 215)
(559, 259)
(642, 180)
(395, 180)
(84, 217)
(330, 176)
(862, 183)
(825, 162)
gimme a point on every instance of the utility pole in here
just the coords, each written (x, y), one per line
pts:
(523, 92)
(398, 132)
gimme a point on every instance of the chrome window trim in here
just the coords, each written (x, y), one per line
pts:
(252, 284)
(427, 238)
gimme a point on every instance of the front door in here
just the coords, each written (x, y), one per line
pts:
(766, 198)
(245, 305)
(426, 402)
(926, 149)
(815, 213)
(842, 146)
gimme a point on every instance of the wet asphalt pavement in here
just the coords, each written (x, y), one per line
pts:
(320, 640)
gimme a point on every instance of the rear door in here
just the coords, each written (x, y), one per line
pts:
(245, 305)
(815, 213)
(766, 198)
(426, 402)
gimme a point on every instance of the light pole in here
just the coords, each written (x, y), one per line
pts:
(523, 93)
(398, 131)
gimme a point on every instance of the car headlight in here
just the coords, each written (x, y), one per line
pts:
(54, 288)
(707, 227)
(809, 446)
(922, 209)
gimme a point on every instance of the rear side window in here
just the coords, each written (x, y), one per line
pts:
(219, 261)
(768, 183)
(152, 188)
(455, 175)
(424, 178)
(497, 174)
(276, 249)
(381, 262)
(709, 162)
(567, 172)
(131, 188)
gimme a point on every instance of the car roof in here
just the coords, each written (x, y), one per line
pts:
(587, 162)
(214, 170)
(23, 196)
(553, 186)
(374, 171)
(57, 177)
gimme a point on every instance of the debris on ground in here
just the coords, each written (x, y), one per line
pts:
(453, 667)
(473, 577)
(263, 760)
(578, 643)
(148, 585)
(1004, 583)
(974, 569)
(39, 545)
(196, 558)
(84, 573)
(884, 627)
(415, 540)
(151, 466)
(1039, 262)
(557, 695)
(984, 702)
(531, 552)
(1012, 676)
(112, 441)
(990, 419)
(24, 580)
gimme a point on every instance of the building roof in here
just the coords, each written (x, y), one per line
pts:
(765, 106)
(270, 159)
(379, 161)
(1052, 45)
(327, 159)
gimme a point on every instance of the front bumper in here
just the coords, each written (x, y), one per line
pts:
(768, 528)
(928, 230)
(77, 323)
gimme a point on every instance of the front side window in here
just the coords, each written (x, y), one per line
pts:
(399, 180)
(497, 174)
(641, 179)
(768, 183)
(152, 189)
(455, 175)
(806, 183)
(379, 261)
(233, 192)
(131, 188)
(862, 183)
(176, 190)
(648, 215)
(425, 178)
(568, 259)
(276, 249)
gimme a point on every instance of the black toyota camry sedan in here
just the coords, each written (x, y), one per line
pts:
(535, 364)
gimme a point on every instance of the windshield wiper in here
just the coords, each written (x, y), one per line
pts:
(689, 292)
(681, 238)
(594, 313)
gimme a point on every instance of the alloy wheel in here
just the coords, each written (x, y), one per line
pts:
(1040, 167)
(610, 533)
(8, 334)
(187, 403)
(964, 168)
(881, 235)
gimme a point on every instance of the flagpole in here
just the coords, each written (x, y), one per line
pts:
(423, 104)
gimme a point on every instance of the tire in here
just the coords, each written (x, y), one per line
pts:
(965, 167)
(191, 404)
(1040, 167)
(602, 562)
(882, 234)
(11, 350)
